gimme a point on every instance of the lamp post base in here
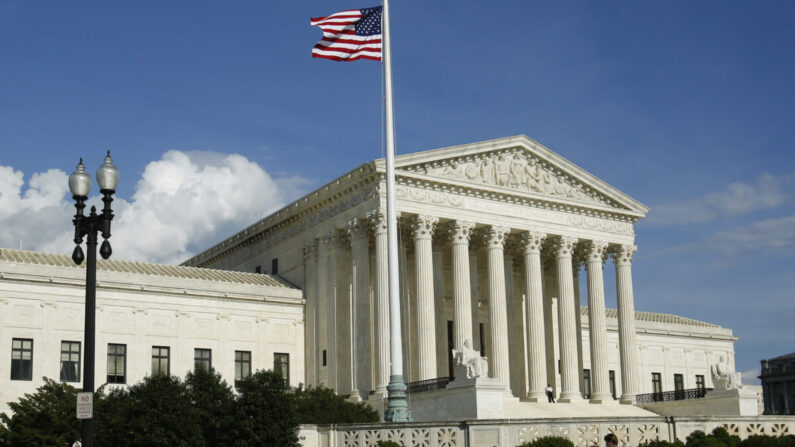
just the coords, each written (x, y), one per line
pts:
(397, 408)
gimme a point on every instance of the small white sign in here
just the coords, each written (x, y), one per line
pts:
(85, 405)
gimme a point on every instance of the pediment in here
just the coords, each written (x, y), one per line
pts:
(522, 166)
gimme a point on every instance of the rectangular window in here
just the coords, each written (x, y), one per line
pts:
(22, 359)
(117, 363)
(203, 357)
(451, 373)
(160, 360)
(482, 340)
(656, 383)
(281, 365)
(275, 266)
(324, 357)
(679, 387)
(242, 365)
(70, 361)
(612, 375)
(586, 382)
(700, 384)
(258, 269)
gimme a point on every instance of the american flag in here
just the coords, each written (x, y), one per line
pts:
(350, 35)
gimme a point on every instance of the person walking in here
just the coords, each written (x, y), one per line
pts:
(550, 394)
(611, 440)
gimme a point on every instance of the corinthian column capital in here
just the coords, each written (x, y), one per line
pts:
(357, 228)
(532, 242)
(496, 236)
(623, 254)
(595, 251)
(310, 250)
(422, 226)
(460, 231)
(564, 246)
(377, 219)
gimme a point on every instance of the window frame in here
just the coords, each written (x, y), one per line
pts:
(286, 365)
(70, 353)
(21, 351)
(242, 363)
(115, 355)
(209, 359)
(701, 383)
(656, 383)
(611, 374)
(586, 383)
(160, 358)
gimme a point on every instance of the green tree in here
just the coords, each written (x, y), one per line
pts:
(155, 412)
(44, 418)
(266, 406)
(549, 441)
(214, 399)
(321, 406)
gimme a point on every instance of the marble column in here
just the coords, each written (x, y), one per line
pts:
(460, 231)
(513, 302)
(627, 345)
(360, 281)
(552, 341)
(329, 290)
(442, 369)
(310, 290)
(575, 268)
(570, 383)
(381, 339)
(323, 323)
(536, 346)
(597, 325)
(422, 228)
(474, 286)
(343, 322)
(498, 315)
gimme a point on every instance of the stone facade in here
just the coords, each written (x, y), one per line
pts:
(140, 306)
(778, 384)
(494, 238)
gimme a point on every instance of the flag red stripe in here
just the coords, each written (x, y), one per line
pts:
(345, 59)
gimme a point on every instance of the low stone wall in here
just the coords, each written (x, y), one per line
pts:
(583, 432)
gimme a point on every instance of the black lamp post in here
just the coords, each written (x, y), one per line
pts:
(89, 226)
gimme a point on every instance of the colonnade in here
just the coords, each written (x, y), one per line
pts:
(348, 310)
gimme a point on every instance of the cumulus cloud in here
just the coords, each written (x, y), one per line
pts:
(770, 235)
(735, 199)
(182, 203)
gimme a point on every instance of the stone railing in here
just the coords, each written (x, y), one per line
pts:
(583, 432)
(667, 396)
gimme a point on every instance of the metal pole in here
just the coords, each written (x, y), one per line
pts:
(397, 408)
(91, 292)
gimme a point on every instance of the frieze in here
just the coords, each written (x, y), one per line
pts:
(429, 196)
(513, 169)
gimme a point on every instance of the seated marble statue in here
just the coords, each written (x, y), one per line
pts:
(476, 365)
(723, 378)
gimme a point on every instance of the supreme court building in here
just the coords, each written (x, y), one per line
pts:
(494, 238)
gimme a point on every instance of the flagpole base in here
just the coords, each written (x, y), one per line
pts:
(397, 408)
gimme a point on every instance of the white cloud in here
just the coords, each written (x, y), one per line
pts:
(750, 377)
(735, 199)
(182, 203)
(770, 236)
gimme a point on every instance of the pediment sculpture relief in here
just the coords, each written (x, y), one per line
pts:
(513, 170)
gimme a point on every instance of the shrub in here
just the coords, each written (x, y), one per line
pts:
(549, 441)
(661, 443)
(215, 400)
(388, 444)
(768, 441)
(321, 406)
(266, 406)
(44, 418)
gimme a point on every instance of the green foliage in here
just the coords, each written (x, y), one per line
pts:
(215, 400)
(266, 406)
(661, 443)
(156, 412)
(768, 441)
(44, 418)
(321, 406)
(549, 441)
(388, 444)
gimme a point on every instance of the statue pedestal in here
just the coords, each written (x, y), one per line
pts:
(463, 398)
(735, 402)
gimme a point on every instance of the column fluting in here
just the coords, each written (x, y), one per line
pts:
(360, 281)
(570, 383)
(536, 344)
(423, 227)
(597, 325)
(498, 316)
(460, 231)
(310, 290)
(627, 345)
(378, 222)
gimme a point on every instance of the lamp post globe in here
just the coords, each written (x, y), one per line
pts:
(107, 174)
(80, 181)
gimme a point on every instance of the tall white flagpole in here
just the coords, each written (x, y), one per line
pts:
(397, 408)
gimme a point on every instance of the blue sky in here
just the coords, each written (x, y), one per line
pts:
(216, 114)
